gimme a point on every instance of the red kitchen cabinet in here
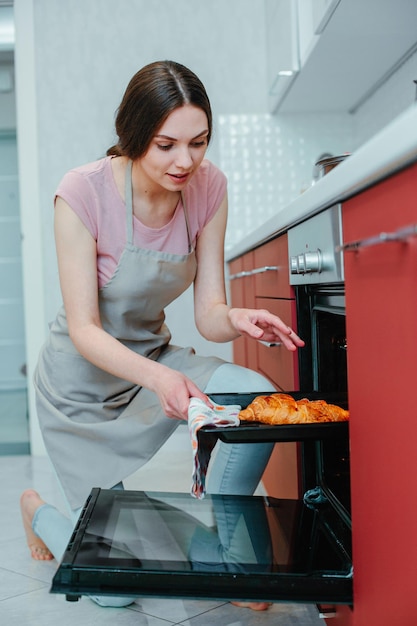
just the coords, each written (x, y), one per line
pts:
(381, 319)
(237, 294)
(242, 295)
(271, 269)
(274, 361)
(260, 279)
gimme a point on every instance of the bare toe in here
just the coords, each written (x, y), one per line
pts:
(30, 501)
(255, 606)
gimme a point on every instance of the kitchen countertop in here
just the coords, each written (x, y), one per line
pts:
(390, 150)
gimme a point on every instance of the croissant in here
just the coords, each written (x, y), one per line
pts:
(280, 408)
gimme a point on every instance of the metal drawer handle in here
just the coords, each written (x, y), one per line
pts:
(271, 344)
(257, 270)
(238, 275)
(402, 234)
(266, 268)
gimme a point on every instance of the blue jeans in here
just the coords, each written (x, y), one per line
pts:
(237, 468)
(234, 469)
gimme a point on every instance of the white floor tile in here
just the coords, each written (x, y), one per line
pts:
(14, 585)
(16, 555)
(176, 610)
(43, 609)
(276, 615)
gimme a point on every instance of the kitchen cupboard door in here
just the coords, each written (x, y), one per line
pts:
(237, 299)
(271, 270)
(260, 279)
(381, 319)
(273, 360)
(242, 295)
(249, 303)
(281, 48)
(281, 476)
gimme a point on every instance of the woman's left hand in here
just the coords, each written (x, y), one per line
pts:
(262, 325)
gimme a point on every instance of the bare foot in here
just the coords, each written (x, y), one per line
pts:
(255, 606)
(30, 501)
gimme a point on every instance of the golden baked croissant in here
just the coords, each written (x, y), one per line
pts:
(280, 408)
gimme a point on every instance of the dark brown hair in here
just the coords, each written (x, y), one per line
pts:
(151, 95)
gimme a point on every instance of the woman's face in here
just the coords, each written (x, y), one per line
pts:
(177, 149)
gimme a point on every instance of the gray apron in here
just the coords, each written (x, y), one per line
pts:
(97, 428)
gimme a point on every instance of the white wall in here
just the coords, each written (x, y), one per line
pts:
(84, 59)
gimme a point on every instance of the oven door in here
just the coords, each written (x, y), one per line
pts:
(223, 547)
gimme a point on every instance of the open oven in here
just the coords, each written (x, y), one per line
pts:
(243, 547)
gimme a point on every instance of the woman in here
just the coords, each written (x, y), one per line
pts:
(133, 231)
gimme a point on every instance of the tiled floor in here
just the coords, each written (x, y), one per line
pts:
(25, 583)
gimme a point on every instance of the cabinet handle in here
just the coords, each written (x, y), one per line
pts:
(402, 234)
(238, 275)
(271, 344)
(266, 268)
(257, 270)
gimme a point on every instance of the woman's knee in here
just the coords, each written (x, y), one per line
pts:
(237, 468)
(232, 378)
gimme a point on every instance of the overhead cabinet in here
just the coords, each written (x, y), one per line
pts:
(313, 17)
(339, 51)
(282, 47)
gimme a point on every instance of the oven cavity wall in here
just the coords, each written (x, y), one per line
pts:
(259, 278)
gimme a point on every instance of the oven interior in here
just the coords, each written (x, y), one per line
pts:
(323, 368)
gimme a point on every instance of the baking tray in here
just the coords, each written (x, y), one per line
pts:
(255, 432)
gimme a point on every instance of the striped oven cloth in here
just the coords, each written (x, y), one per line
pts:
(199, 414)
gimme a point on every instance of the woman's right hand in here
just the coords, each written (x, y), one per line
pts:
(174, 391)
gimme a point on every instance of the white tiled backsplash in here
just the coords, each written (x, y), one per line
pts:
(269, 161)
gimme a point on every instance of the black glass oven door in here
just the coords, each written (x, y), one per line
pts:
(223, 547)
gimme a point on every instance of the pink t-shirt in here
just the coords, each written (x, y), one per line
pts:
(90, 190)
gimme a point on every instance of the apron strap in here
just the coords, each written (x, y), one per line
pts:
(186, 223)
(128, 201)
